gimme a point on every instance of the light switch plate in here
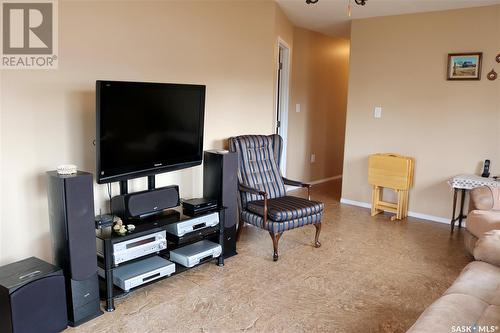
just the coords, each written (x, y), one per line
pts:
(297, 108)
(377, 112)
(313, 158)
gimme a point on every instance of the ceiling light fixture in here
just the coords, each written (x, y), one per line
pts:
(349, 7)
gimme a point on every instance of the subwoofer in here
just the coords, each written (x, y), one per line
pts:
(144, 203)
(32, 297)
(71, 215)
(220, 182)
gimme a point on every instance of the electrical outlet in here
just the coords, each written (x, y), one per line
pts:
(313, 158)
(297, 108)
(377, 112)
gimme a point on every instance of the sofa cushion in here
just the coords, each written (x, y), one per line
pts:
(286, 208)
(480, 280)
(487, 248)
(448, 311)
(490, 317)
(469, 242)
(473, 299)
(481, 221)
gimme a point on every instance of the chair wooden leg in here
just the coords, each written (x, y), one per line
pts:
(240, 227)
(276, 238)
(316, 238)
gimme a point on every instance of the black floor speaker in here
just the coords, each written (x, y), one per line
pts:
(71, 214)
(32, 297)
(220, 182)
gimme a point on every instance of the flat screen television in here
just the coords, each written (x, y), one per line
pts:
(147, 128)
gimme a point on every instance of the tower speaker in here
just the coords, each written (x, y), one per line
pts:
(71, 214)
(32, 297)
(220, 182)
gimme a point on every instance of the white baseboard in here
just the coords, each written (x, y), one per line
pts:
(355, 203)
(412, 214)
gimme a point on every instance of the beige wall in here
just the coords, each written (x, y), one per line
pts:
(283, 33)
(399, 63)
(284, 28)
(320, 70)
(48, 117)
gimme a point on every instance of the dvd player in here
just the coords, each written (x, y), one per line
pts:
(196, 223)
(191, 255)
(140, 272)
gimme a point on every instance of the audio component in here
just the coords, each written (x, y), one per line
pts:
(136, 247)
(196, 223)
(197, 206)
(32, 297)
(145, 203)
(102, 221)
(140, 272)
(71, 215)
(192, 254)
(220, 182)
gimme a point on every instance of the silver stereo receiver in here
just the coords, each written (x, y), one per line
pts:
(140, 272)
(136, 247)
(193, 224)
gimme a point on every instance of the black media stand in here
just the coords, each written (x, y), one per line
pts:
(147, 226)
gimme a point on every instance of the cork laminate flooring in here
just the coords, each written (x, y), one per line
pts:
(370, 275)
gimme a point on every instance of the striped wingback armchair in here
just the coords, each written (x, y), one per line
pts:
(263, 201)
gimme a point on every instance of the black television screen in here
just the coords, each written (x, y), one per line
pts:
(147, 128)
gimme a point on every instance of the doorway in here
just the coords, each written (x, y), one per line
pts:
(282, 97)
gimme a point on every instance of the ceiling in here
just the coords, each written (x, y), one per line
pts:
(330, 16)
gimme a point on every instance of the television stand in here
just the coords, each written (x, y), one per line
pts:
(109, 292)
(123, 187)
(151, 182)
(124, 184)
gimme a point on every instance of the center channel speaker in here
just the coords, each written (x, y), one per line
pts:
(144, 203)
(220, 182)
(72, 226)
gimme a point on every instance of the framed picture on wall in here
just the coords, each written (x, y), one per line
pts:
(464, 66)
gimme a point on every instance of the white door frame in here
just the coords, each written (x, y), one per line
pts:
(282, 98)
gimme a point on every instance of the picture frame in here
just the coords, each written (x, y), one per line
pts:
(464, 66)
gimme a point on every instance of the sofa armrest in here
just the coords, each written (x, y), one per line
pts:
(488, 248)
(481, 198)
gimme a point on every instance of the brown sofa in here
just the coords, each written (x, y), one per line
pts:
(473, 301)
